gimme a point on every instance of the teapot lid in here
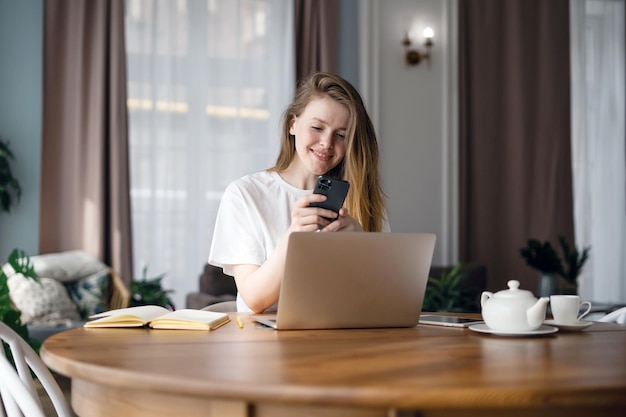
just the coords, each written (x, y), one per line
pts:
(514, 291)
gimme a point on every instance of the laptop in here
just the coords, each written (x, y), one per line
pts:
(352, 280)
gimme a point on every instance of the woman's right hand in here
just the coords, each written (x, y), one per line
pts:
(310, 219)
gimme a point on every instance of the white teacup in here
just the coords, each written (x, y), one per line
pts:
(566, 308)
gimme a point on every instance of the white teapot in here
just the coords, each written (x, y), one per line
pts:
(513, 309)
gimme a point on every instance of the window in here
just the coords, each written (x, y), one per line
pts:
(598, 145)
(208, 81)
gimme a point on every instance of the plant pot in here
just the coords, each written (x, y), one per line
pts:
(569, 289)
(548, 285)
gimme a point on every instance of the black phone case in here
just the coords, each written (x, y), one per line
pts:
(335, 191)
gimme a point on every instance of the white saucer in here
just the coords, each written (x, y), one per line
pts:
(482, 328)
(574, 327)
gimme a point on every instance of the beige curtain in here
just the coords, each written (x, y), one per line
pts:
(316, 31)
(515, 165)
(85, 198)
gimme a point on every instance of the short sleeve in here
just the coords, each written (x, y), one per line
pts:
(237, 237)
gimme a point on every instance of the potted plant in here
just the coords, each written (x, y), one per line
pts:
(574, 262)
(9, 315)
(542, 257)
(149, 291)
(9, 186)
(445, 293)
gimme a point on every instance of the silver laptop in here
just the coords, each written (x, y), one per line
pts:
(352, 280)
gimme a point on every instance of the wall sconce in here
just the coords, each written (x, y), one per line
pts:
(414, 56)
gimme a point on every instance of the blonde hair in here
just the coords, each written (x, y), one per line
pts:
(365, 200)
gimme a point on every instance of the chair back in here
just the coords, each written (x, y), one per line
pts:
(223, 307)
(27, 363)
(16, 398)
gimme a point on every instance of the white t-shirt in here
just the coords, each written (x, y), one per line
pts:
(254, 214)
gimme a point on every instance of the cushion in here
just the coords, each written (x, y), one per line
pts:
(90, 294)
(63, 266)
(214, 281)
(67, 266)
(43, 302)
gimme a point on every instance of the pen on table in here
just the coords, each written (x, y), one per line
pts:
(240, 322)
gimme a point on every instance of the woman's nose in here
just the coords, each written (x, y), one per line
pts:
(326, 140)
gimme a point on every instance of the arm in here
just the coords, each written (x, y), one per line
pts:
(259, 286)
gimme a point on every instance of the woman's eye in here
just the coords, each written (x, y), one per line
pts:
(316, 128)
(341, 135)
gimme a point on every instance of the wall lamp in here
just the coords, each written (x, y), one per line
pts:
(414, 56)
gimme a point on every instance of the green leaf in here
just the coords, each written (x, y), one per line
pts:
(541, 256)
(574, 261)
(8, 314)
(5, 299)
(9, 186)
(445, 293)
(150, 291)
(21, 264)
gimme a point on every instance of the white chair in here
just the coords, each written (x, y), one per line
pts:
(16, 398)
(222, 307)
(27, 361)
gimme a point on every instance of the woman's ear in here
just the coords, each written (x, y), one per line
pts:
(291, 129)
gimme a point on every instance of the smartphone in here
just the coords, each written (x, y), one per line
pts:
(451, 321)
(335, 191)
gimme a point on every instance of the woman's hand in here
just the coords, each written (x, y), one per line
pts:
(344, 223)
(310, 219)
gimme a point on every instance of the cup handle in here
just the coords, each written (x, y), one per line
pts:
(587, 310)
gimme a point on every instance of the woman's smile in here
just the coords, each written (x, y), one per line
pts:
(322, 156)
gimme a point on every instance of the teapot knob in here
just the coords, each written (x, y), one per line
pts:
(513, 284)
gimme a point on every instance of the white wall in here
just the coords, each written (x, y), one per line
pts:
(414, 111)
(21, 46)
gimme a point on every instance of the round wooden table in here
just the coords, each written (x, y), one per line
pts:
(425, 371)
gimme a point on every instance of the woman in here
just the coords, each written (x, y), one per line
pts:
(326, 130)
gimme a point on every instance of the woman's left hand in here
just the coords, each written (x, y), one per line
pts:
(343, 223)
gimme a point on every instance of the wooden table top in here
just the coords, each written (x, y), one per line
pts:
(426, 367)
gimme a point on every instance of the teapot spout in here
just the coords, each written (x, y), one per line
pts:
(536, 314)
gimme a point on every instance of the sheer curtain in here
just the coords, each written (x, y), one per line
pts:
(208, 81)
(598, 145)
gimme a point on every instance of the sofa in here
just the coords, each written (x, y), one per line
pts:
(217, 287)
(214, 287)
(74, 285)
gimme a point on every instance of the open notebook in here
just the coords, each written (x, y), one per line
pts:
(353, 280)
